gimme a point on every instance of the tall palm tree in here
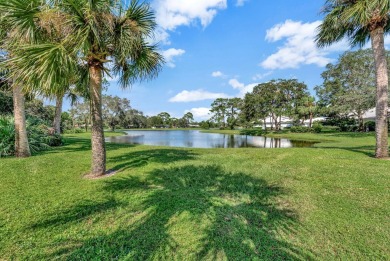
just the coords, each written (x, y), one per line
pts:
(359, 21)
(105, 35)
(17, 26)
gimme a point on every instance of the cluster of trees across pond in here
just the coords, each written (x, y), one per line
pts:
(347, 92)
(117, 113)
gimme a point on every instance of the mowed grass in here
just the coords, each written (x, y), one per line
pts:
(322, 203)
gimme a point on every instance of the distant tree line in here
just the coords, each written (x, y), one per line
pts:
(118, 113)
(347, 92)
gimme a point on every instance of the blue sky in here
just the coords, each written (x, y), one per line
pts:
(223, 48)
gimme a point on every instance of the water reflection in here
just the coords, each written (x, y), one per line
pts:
(196, 139)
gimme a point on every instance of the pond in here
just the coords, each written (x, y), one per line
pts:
(197, 139)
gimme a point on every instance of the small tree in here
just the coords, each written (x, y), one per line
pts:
(349, 85)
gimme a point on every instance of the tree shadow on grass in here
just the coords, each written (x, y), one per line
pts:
(78, 213)
(144, 157)
(352, 134)
(77, 144)
(366, 150)
(193, 213)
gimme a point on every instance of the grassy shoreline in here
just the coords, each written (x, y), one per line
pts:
(325, 202)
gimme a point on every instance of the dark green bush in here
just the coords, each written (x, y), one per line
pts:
(7, 136)
(252, 132)
(369, 126)
(40, 136)
(55, 140)
(346, 124)
(317, 127)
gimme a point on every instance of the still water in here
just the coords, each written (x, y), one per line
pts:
(197, 139)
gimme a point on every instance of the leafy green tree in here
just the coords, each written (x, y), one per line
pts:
(219, 109)
(114, 110)
(6, 103)
(307, 108)
(254, 109)
(35, 108)
(155, 121)
(66, 121)
(359, 21)
(81, 114)
(165, 117)
(187, 119)
(174, 122)
(97, 32)
(233, 110)
(274, 99)
(133, 119)
(349, 86)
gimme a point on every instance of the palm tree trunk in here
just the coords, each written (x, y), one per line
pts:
(22, 148)
(98, 145)
(378, 46)
(57, 116)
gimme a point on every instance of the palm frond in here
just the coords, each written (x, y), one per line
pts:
(147, 65)
(18, 17)
(42, 66)
(352, 19)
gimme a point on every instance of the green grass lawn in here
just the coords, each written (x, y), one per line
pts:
(321, 203)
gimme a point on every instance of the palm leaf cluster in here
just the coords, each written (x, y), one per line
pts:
(64, 37)
(54, 44)
(354, 19)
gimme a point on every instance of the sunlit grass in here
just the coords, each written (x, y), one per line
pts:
(326, 202)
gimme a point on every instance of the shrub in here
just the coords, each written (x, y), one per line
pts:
(369, 126)
(346, 124)
(317, 127)
(7, 136)
(252, 132)
(39, 136)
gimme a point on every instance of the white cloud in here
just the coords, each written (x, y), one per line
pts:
(244, 89)
(170, 54)
(299, 46)
(160, 36)
(171, 14)
(261, 76)
(218, 74)
(240, 2)
(236, 84)
(197, 95)
(201, 113)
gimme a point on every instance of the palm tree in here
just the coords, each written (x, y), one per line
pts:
(17, 26)
(359, 21)
(106, 36)
(307, 107)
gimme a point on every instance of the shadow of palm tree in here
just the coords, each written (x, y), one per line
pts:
(366, 150)
(77, 144)
(194, 213)
(144, 157)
